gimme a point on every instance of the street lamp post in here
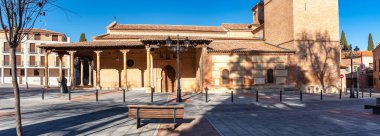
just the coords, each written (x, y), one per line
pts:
(177, 49)
(352, 55)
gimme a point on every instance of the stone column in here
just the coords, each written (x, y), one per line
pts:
(60, 56)
(46, 85)
(98, 69)
(72, 77)
(202, 73)
(148, 84)
(81, 72)
(89, 73)
(125, 59)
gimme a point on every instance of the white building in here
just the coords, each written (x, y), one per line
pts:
(31, 60)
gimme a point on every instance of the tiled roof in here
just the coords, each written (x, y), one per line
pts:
(93, 44)
(43, 31)
(164, 37)
(245, 46)
(167, 27)
(367, 53)
(237, 26)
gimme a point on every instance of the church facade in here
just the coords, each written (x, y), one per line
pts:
(289, 44)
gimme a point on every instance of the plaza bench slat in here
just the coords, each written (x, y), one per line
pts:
(139, 112)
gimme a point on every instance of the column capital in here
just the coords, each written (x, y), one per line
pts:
(72, 53)
(147, 48)
(98, 52)
(124, 51)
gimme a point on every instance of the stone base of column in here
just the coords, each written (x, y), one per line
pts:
(149, 89)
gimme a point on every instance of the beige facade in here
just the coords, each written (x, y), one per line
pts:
(31, 63)
(290, 44)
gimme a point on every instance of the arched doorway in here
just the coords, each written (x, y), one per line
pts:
(168, 79)
(270, 76)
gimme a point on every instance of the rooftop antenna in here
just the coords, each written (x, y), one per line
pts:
(115, 18)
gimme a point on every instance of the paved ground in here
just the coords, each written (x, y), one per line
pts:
(109, 116)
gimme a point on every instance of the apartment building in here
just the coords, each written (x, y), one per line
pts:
(30, 60)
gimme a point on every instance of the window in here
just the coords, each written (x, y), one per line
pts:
(22, 72)
(225, 77)
(32, 60)
(36, 72)
(130, 63)
(6, 47)
(42, 60)
(18, 60)
(6, 60)
(37, 36)
(32, 48)
(18, 48)
(270, 76)
(54, 38)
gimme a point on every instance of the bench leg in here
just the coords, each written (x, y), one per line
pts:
(138, 123)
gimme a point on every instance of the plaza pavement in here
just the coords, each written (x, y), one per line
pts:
(56, 115)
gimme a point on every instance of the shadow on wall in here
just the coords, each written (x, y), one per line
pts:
(320, 56)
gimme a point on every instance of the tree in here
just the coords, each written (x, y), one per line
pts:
(82, 38)
(17, 17)
(343, 40)
(370, 43)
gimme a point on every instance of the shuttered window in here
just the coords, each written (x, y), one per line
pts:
(6, 60)
(18, 48)
(54, 37)
(18, 60)
(6, 47)
(42, 61)
(32, 48)
(32, 61)
(37, 36)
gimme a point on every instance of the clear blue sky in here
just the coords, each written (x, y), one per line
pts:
(357, 18)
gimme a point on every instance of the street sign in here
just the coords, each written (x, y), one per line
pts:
(341, 76)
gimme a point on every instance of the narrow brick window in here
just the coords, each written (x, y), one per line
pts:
(32, 61)
(225, 77)
(6, 60)
(6, 47)
(54, 38)
(18, 60)
(37, 36)
(32, 48)
(42, 60)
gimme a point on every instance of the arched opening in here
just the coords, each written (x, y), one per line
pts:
(168, 79)
(225, 77)
(270, 76)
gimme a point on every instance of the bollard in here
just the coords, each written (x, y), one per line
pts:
(206, 95)
(257, 95)
(370, 93)
(280, 95)
(124, 95)
(69, 94)
(321, 95)
(96, 93)
(43, 93)
(357, 94)
(301, 93)
(340, 94)
(27, 85)
(232, 96)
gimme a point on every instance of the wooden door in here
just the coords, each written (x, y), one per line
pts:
(168, 79)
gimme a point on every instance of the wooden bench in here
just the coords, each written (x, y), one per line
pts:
(375, 108)
(139, 112)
